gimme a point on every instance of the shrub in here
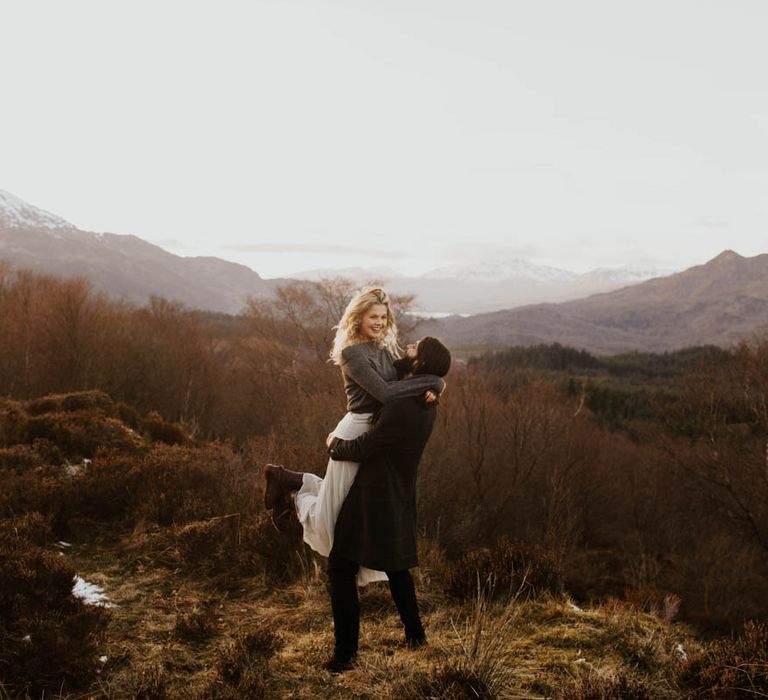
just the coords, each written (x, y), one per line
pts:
(195, 625)
(248, 648)
(242, 666)
(730, 669)
(651, 600)
(596, 687)
(31, 526)
(19, 458)
(205, 546)
(161, 430)
(79, 433)
(43, 490)
(446, 683)
(148, 682)
(48, 638)
(92, 401)
(129, 415)
(13, 420)
(505, 570)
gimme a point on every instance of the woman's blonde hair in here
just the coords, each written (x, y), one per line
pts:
(348, 328)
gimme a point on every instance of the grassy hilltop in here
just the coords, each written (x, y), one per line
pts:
(211, 602)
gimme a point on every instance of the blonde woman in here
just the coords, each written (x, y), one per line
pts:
(366, 349)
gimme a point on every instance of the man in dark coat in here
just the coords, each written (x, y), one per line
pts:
(376, 527)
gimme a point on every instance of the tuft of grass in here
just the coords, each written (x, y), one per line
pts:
(195, 625)
(48, 638)
(730, 669)
(594, 686)
(505, 570)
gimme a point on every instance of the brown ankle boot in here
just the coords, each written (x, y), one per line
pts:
(279, 482)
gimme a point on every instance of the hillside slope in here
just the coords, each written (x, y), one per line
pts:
(717, 303)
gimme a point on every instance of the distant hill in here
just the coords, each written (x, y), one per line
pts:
(493, 285)
(123, 266)
(717, 303)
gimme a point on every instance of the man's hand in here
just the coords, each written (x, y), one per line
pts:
(431, 397)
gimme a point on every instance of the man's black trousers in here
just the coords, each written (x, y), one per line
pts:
(346, 606)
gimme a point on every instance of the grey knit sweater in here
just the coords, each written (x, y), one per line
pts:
(370, 378)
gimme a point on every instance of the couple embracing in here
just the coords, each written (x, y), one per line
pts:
(362, 515)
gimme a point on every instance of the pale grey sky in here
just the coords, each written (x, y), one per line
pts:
(291, 134)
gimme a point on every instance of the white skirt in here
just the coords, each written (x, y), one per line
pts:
(318, 501)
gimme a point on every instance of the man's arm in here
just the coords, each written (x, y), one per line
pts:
(355, 364)
(387, 431)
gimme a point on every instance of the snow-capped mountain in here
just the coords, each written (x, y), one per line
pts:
(359, 275)
(123, 266)
(624, 275)
(16, 213)
(498, 270)
(720, 302)
(491, 285)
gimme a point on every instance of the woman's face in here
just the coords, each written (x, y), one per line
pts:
(374, 322)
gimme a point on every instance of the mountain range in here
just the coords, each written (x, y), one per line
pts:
(492, 285)
(719, 302)
(124, 266)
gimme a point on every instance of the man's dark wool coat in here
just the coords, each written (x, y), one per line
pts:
(376, 526)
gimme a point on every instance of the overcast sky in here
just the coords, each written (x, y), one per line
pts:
(297, 134)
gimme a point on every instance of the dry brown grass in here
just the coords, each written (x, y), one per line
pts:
(175, 635)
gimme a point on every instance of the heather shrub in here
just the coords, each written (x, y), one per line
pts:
(32, 527)
(13, 420)
(91, 401)
(205, 546)
(19, 458)
(48, 638)
(234, 545)
(78, 434)
(43, 490)
(159, 430)
(596, 687)
(174, 484)
(256, 645)
(651, 600)
(730, 669)
(447, 683)
(242, 665)
(129, 415)
(147, 681)
(195, 625)
(508, 569)
(262, 548)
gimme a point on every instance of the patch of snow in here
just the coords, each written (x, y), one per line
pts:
(103, 659)
(90, 593)
(681, 652)
(76, 469)
(582, 660)
(26, 638)
(16, 212)
(575, 607)
(62, 543)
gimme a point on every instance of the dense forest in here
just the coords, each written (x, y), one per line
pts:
(638, 477)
